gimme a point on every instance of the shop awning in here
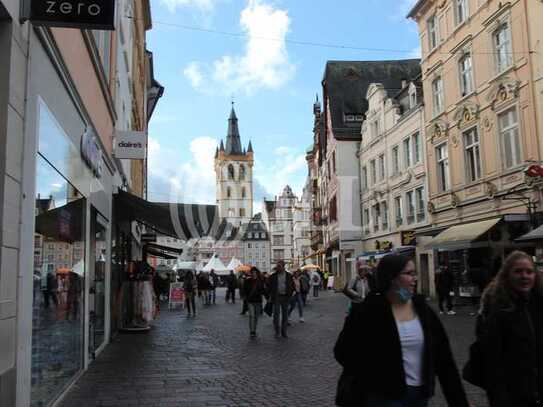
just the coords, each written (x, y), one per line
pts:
(182, 221)
(160, 253)
(534, 235)
(461, 236)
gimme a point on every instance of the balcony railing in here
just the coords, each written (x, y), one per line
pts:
(399, 221)
(411, 218)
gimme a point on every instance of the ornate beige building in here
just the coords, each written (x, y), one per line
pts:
(481, 128)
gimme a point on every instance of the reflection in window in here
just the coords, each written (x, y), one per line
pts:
(59, 272)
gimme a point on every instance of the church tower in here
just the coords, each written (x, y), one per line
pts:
(234, 176)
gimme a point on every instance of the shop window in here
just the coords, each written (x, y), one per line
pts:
(57, 330)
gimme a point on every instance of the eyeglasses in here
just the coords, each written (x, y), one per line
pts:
(409, 273)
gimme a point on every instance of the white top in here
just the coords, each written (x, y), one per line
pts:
(412, 340)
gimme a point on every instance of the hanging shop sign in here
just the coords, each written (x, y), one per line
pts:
(83, 14)
(130, 145)
(91, 152)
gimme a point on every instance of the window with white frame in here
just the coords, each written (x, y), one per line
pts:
(461, 11)
(382, 168)
(384, 215)
(437, 95)
(472, 155)
(364, 176)
(395, 160)
(373, 172)
(398, 210)
(375, 128)
(509, 138)
(407, 153)
(431, 23)
(421, 214)
(376, 217)
(366, 219)
(412, 97)
(465, 68)
(415, 141)
(503, 49)
(410, 206)
(442, 157)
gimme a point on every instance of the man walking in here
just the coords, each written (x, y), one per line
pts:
(444, 284)
(281, 286)
(316, 283)
(214, 280)
(231, 283)
(359, 286)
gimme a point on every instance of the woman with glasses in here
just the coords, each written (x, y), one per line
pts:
(510, 331)
(393, 346)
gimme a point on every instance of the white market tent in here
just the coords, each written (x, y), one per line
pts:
(234, 264)
(216, 264)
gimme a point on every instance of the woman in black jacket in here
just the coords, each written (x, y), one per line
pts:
(511, 335)
(254, 289)
(393, 345)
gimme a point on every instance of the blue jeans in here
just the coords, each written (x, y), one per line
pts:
(412, 399)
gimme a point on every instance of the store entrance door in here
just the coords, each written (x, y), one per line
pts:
(97, 278)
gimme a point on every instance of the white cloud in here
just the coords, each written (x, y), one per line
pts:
(265, 63)
(416, 52)
(204, 5)
(189, 182)
(194, 74)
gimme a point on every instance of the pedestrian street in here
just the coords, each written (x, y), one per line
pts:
(211, 361)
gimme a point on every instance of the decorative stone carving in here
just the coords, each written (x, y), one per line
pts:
(503, 91)
(490, 189)
(431, 207)
(487, 124)
(438, 130)
(454, 200)
(466, 114)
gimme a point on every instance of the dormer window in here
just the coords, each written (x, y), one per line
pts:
(412, 97)
(353, 117)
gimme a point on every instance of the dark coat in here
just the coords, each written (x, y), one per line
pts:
(369, 348)
(512, 343)
(444, 282)
(231, 282)
(272, 286)
(254, 290)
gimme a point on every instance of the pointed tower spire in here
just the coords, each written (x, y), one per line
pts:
(221, 148)
(216, 152)
(233, 142)
(250, 147)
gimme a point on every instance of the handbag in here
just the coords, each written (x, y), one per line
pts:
(349, 393)
(268, 308)
(473, 371)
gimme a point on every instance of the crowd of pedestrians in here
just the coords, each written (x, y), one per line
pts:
(393, 346)
(282, 293)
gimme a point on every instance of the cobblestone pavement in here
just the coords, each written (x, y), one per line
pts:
(210, 361)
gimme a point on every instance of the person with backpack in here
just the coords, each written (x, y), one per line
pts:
(358, 288)
(315, 283)
(190, 286)
(305, 286)
(255, 289)
(507, 357)
(393, 346)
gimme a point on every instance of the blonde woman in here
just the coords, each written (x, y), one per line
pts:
(510, 332)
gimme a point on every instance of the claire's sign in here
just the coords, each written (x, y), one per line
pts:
(130, 145)
(84, 14)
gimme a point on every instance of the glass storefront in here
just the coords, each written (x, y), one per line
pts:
(59, 262)
(97, 272)
(59, 275)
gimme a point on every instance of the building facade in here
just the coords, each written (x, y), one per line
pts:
(279, 218)
(345, 85)
(234, 177)
(256, 244)
(58, 116)
(301, 229)
(393, 168)
(481, 129)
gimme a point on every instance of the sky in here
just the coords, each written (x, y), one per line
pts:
(259, 54)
